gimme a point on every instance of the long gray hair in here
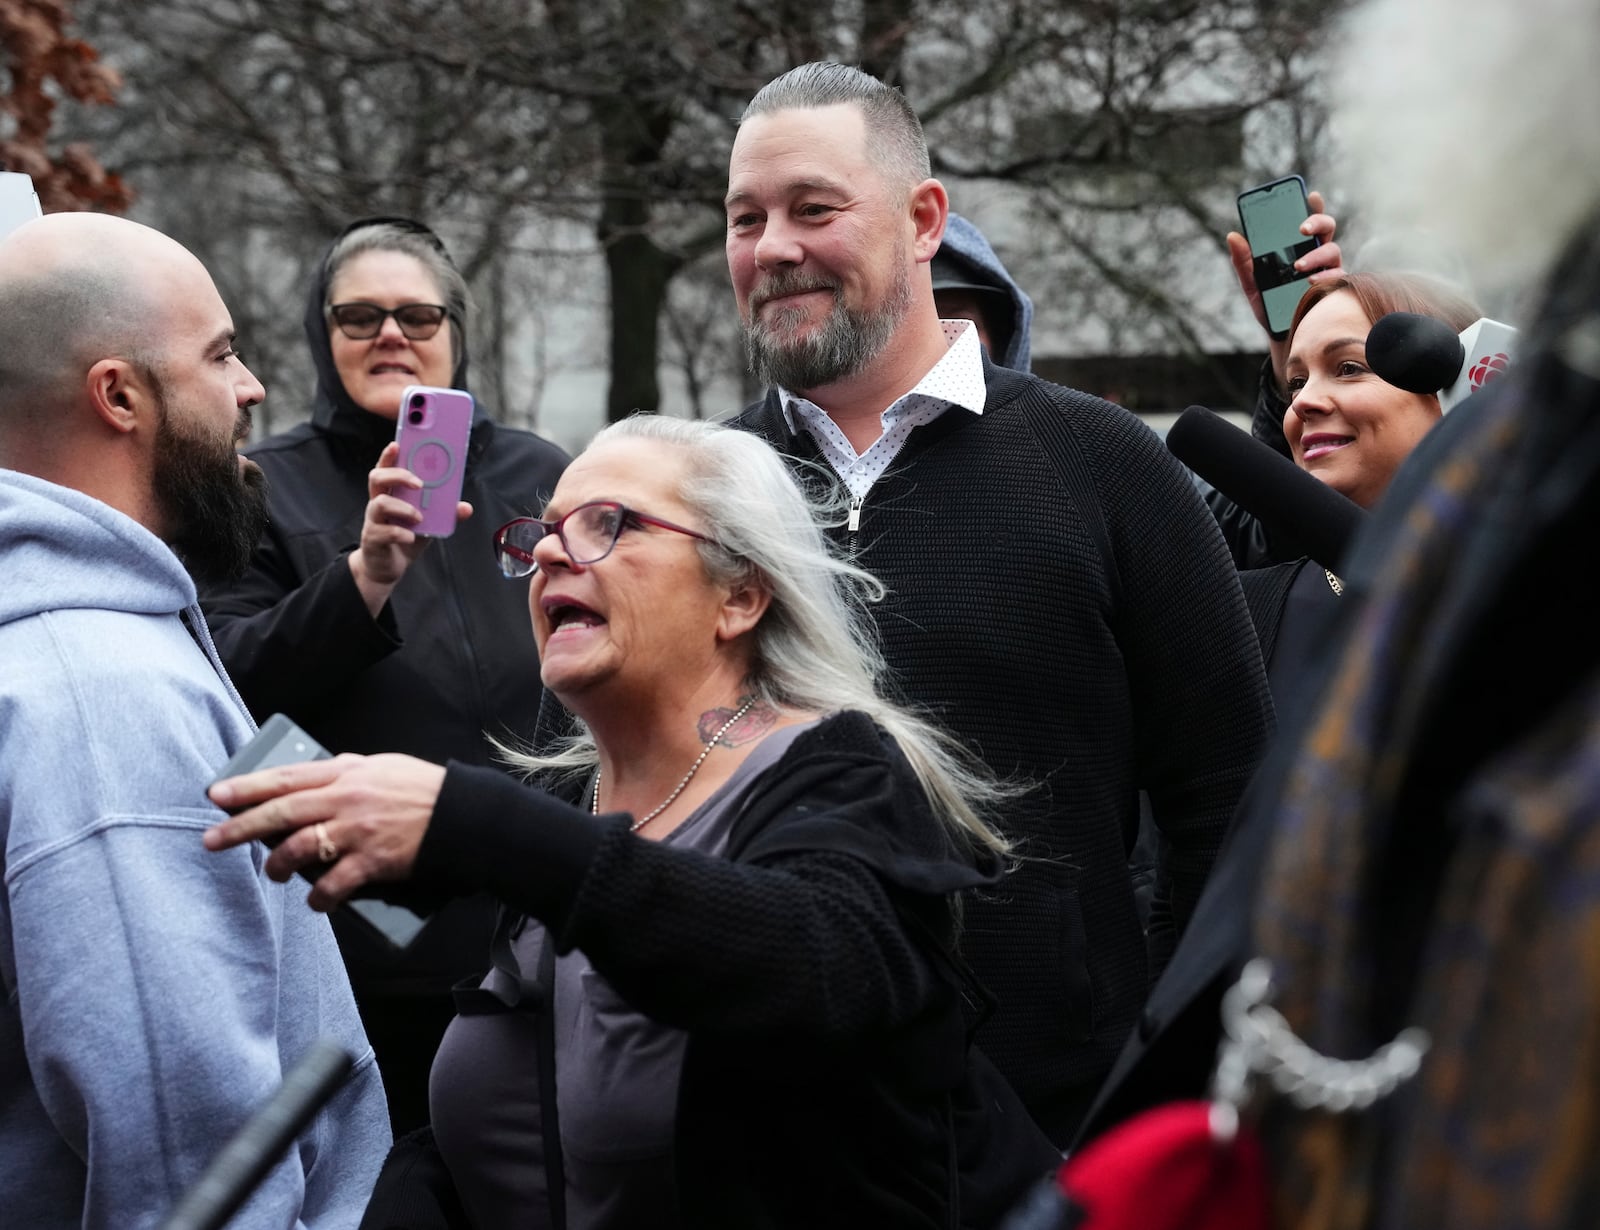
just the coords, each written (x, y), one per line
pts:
(814, 649)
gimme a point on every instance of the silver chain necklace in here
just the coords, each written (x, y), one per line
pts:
(594, 804)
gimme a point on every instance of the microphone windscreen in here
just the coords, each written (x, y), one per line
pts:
(1269, 486)
(1420, 354)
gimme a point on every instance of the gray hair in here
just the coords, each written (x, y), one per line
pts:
(423, 247)
(894, 133)
(814, 648)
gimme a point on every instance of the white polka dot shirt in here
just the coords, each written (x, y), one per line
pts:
(955, 380)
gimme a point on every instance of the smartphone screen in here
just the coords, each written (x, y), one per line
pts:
(1271, 216)
(434, 429)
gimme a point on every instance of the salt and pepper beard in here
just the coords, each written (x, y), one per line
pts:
(214, 509)
(843, 345)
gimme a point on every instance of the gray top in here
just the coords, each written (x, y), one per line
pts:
(152, 994)
(616, 1077)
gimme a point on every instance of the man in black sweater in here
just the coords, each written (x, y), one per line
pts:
(1059, 598)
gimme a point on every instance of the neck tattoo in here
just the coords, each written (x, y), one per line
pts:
(594, 803)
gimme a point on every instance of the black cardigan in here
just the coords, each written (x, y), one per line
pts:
(1062, 602)
(827, 1078)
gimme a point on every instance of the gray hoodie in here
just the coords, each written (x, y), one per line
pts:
(154, 992)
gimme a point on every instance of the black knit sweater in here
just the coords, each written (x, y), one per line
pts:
(1060, 600)
(826, 1053)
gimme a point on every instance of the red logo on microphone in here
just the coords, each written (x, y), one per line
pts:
(1490, 367)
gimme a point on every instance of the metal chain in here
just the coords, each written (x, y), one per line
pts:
(1260, 1043)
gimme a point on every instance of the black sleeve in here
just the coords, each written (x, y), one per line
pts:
(1266, 420)
(288, 643)
(802, 942)
(1245, 535)
(1252, 544)
(1271, 544)
(1198, 688)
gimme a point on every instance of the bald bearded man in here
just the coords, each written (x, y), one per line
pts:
(154, 993)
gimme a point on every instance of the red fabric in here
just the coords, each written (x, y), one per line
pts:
(1164, 1170)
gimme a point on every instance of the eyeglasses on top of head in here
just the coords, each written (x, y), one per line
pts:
(587, 534)
(363, 321)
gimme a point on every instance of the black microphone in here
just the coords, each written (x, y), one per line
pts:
(265, 1136)
(1420, 354)
(1269, 486)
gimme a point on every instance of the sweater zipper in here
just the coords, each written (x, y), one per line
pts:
(853, 520)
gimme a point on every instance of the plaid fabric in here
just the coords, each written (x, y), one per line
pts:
(1466, 706)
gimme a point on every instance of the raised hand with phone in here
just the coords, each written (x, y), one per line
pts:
(1321, 262)
(1306, 216)
(409, 505)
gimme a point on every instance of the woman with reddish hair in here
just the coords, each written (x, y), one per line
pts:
(1347, 427)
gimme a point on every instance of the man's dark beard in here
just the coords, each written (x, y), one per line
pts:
(215, 511)
(848, 340)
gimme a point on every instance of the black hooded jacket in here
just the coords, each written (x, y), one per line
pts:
(449, 660)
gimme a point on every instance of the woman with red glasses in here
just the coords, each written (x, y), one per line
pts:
(727, 992)
(373, 639)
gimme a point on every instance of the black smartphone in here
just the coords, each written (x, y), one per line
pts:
(279, 741)
(1270, 216)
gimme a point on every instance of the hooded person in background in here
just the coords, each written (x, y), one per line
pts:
(371, 638)
(153, 995)
(970, 283)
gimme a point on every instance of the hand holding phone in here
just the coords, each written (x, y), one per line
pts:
(1271, 216)
(278, 742)
(433, 431)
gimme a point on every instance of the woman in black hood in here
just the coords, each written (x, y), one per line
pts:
(373, 645)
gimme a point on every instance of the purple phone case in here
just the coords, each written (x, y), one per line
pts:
(433, 430)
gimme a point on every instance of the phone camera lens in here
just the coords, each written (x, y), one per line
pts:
(415, 416)
(418, 401)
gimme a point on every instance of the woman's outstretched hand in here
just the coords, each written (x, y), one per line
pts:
(362, 818)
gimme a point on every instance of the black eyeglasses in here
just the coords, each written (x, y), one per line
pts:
(587, 535)
(364, 321)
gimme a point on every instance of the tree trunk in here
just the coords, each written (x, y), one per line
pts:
(638, 271)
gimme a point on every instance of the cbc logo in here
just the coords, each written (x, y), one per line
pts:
(1490, 367)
